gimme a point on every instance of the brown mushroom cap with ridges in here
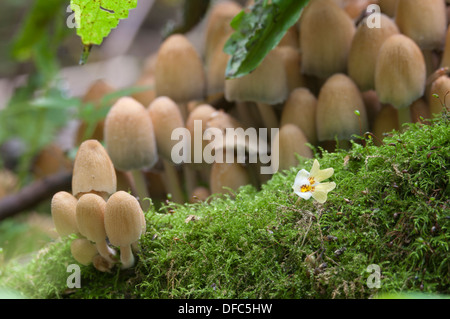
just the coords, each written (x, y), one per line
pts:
(364, 51)
(123, 224)
(326, 33)
(93, 171)
(289, 142)
(63, 208)
(400, 73)
(218, 26)
(425, 22)
(179, 72)
(166, 117)
(337, 102)
(90, 214)
(439, 94)
(129, 136)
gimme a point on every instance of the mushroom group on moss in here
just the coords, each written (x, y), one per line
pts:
(331, 78)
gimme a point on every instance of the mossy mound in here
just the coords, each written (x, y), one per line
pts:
(390, 208)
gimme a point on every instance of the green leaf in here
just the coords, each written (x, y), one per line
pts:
(258, 32)
(96, 18)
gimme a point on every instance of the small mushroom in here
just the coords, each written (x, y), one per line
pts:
(83, 251)
(93, 171)
(90, 215)
(326, 34)
(166, 117)
(179, 72)
(400, 74)
(218, 26)
(124, 224)
(63, 209)
(227, 175)
(425, 22)
(439, 94)
(364, 51)
(337, 102)
(130, 141)
(385, 121)
(289, 142)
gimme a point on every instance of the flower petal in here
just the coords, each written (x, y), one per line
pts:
(321, 191)
(315, 168)
(302, 175)
(323, 174)
(305, 195)
(325, 187)
(320, 196)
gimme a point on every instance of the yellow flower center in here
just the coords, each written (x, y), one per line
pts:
(311, 180)
(306, 188)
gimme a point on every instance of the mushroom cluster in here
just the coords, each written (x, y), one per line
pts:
(100, 215)
(345, 68)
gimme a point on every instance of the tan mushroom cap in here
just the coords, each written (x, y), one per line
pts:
(388, 7)
(166, 117)
(90, 211)
(83, 251)
(337, 102)
(93, 170)
(400, 72)
(326, 33)
(218, 26)
(129, 136)
(439, 94)
(123, 219)
(201, 113)
(425, 22)
(179, 72)
(287, 144)
(364, 51)
(63, 208)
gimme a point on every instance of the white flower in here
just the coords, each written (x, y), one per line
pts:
(308, 184)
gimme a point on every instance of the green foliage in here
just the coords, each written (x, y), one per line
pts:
(258, 32)
(390, 208)
(96, 18)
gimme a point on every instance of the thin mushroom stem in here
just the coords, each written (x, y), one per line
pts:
(404, 116)
(173, 182)
(105, 251)
(190, 179)
(126, 257)
(141, 188)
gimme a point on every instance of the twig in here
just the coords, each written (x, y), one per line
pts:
(31, 195)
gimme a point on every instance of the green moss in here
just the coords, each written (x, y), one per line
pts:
(390, 208)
